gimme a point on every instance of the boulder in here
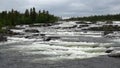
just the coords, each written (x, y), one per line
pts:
(32, 30)
(50, 38)
(114, 54)
(108, 51)
(47, 39)
(3, 38)
(42, 35)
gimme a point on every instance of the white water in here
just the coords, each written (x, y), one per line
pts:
(57, 50)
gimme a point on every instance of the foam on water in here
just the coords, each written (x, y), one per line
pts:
(57, 52)
(57, 49)
(116, 40)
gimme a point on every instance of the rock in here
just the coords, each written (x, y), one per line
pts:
(32, 30)
(114, 54)
(41, 25)
(27, 36)
(10, 33)
(81, 22)
(3, 38)
(109, 22)
(42, 34)
(108, 51)
(47, 39)
(107, 32)
(50, 38)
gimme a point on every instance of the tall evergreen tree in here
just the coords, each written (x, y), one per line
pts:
(13, 17)
(27, 13)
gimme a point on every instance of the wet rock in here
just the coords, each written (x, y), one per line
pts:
(42, 34)
(109, 22)
(108, 51)
(83, 25)
(3, 38)
(32, 30)
(81, 22)
(32, 36)
(27, 36)
(47, 39)
(41, 25)
(51, 38)
(114, 54)
(10, 33)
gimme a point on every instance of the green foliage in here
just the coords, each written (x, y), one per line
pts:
(115, 17)
(106, 28)
(13, 17)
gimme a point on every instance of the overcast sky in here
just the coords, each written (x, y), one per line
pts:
(65, 8)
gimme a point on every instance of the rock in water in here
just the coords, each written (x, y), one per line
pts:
(108, 51)
(32, 30)
(114, 54)
(3, 38)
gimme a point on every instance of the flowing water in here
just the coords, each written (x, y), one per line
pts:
(23, 52)
(56, 50)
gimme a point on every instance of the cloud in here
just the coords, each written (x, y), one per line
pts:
(65, 8)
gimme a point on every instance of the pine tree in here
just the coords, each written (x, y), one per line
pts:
(13, 17)
(27, 13)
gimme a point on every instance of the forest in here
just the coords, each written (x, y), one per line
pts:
(30, 16)
(109, 17)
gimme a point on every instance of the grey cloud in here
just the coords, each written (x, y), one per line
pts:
(65, 7)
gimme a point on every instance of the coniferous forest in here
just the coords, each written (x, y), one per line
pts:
(110, 17)
(30, 16)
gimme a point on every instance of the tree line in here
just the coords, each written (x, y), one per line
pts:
(30, 16)
(114, 17)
